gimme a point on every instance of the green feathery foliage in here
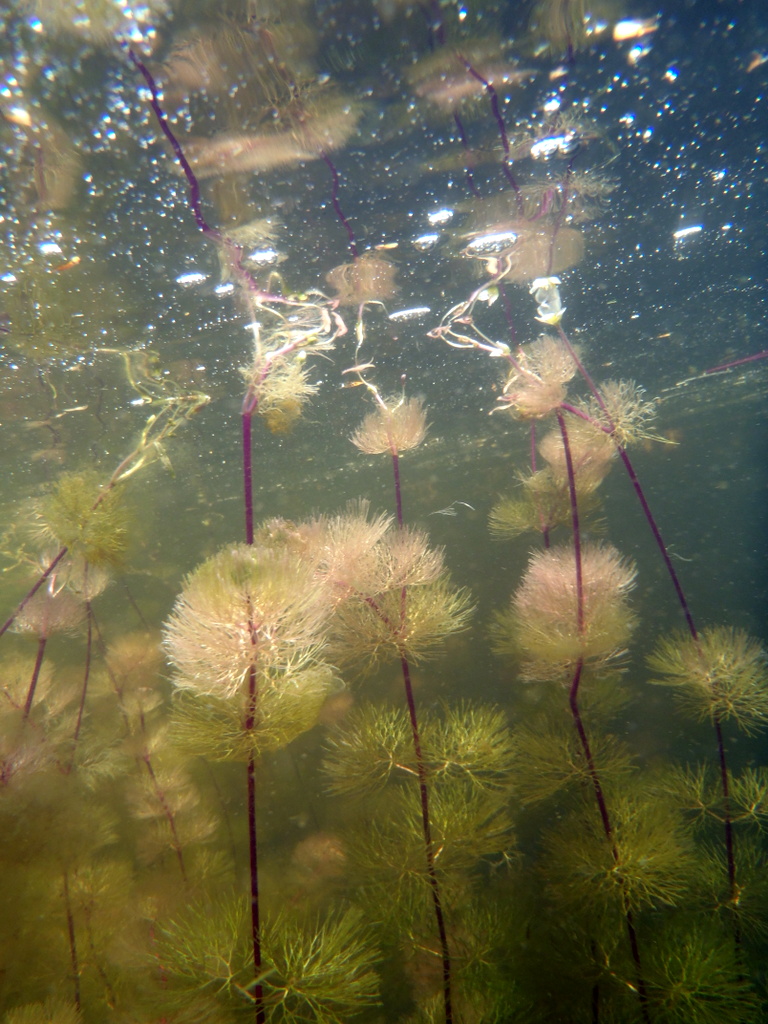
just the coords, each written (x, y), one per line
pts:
(653, 866)
(699, 792)
(471, 744)
(748, 906)
(479, 938)
(467, 824)
(694, 976)
(550, 758)
(545, 503)
(375, 746)
(375, 629)
(246, 609)
(318, 972)
(564, 960)
(52, 1011)
(207, 950)
(86, 517)
(212, 727)
(722, 675)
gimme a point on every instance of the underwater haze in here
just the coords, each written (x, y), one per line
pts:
(382, 577)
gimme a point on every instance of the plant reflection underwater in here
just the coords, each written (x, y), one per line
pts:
(228, 814)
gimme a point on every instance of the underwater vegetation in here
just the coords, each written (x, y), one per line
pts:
(364, 658)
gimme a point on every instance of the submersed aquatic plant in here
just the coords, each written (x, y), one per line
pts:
(549, 758)
(86, 517)
(375, 747)
(394, 426)
(719, 676)
(314, 972)
(652, 862)
(369, 278)
(694, 977)
(553, 628)
(249, 621)
(366, 564)
(246, 607)
(545, 504)
(52, 1011)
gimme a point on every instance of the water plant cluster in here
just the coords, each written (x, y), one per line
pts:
(325, 777)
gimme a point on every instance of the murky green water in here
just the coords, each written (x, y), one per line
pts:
(266, 755)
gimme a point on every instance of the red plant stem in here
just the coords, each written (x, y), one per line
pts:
(738, 362)
(683, 602)
(573, 700)
(510, 322)
(494, 98)
(496, 110)
(32, 591)
(575, 525)
(42, 641)
(195, 203)
(72, 944)
(166, 807)
(86, 675)
(544, 206)
(728, 822)
(421, 768)
(659, 542)
(337, 205)
(437, 24)
(247, 477)
(253, 851)
(635, 483)
(434, 884)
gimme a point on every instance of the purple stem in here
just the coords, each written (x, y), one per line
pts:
(337, 205)
(678, 587)
(573, 700)
(576, 527)
(32, 591)
(635, 483)
(166, 807)
(496, 110)
(398, 492)
(510, 322)
(421, 768)
(247, 477)
(434, 884)
(494, 98)
(86, 675)
(544, 206)
(253, 852)
(727, 815)
(43, 640)
(659, 542)
(437, 25)
(738, 362)
(73, 959)
(195, 203)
